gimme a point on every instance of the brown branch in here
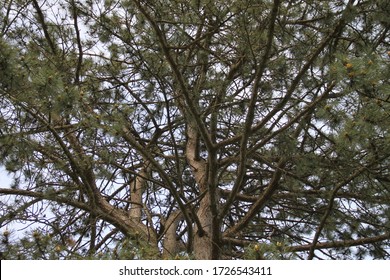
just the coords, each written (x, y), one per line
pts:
(341, 243)
(179, 78)
(127, 135)
(260, 203)
(251, 113)
(49, 196)
(77, 161)
(320, 245)
(45, 29)
(32, 131)
(309, 108)
(294, 84)
(306, 193)
(330, 208)
(78, 39)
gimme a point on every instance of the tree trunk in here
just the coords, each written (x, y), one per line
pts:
(171, 244)
(205, 247)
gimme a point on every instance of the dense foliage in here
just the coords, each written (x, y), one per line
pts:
(195, 129)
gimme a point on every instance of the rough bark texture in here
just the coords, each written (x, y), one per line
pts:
(203, 247)
(171, 243)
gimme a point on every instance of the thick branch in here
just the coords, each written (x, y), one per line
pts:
(127, 135)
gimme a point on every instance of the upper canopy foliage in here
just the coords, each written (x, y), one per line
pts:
(205, 129)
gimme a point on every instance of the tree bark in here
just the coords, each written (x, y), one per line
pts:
(204, 247)
(171, 244)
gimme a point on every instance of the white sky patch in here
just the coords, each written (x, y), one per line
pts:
(5, 178)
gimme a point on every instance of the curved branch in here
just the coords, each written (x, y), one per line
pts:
(330, 208)
(51, 197)
(251, 113)
(262, 200)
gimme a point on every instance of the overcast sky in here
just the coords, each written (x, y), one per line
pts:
(5, 179)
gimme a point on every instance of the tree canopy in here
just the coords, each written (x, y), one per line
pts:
(195, 129)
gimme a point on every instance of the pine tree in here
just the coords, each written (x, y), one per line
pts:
(195, 129)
